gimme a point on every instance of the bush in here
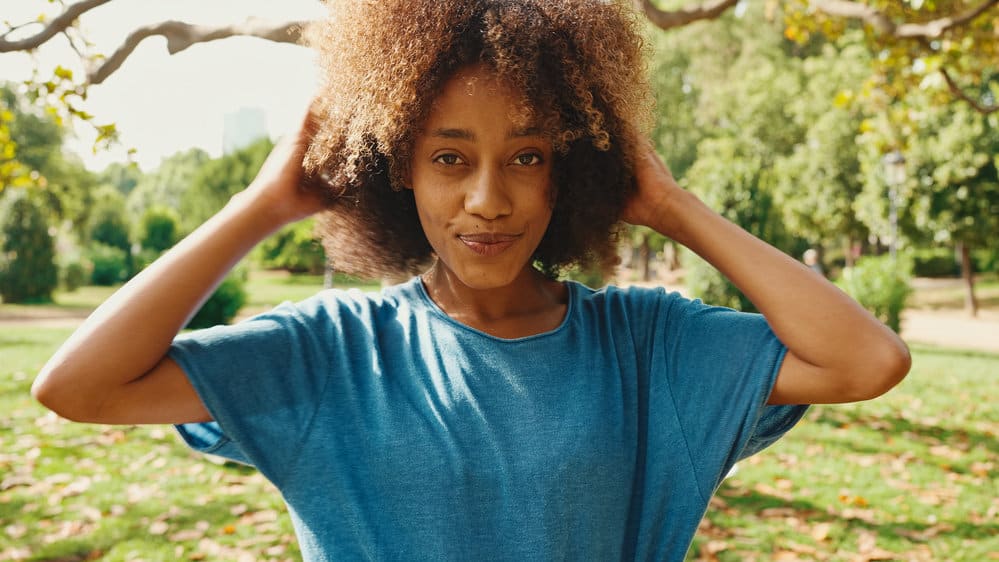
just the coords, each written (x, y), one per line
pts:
(708, 284)
(224, 304)
(110, 264)
(159, 229)
(109, 226)
(881, 285)
(985, 260)
(294, 248)
(937, 262)
(28, 271)
(75, 274)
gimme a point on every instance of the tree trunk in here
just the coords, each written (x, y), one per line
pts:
(645, 253)
(968, 275)
(328, 275)
(848, 254)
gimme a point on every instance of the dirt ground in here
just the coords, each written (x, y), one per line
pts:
(950, 328)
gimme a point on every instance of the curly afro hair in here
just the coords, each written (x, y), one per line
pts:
(578, 63)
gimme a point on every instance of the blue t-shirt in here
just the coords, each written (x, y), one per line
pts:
(396, 433)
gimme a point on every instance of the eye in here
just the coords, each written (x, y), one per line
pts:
(448, 159)
(528, 159)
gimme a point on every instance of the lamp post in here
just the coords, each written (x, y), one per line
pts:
(894, 166)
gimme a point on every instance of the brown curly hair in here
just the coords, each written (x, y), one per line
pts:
(578, 63)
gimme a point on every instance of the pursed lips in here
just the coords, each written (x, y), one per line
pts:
(488, 243)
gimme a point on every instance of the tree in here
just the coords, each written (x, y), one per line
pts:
(914, 30)
(166, 185)
(217, 180)
(109, 224)
(817, 183)
(951, 193)
(28, 271)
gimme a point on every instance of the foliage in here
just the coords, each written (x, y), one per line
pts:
(706, 283)
(293, 248)
(967, 53)
(28, 270)
(110, 264)
(935, 262)
(166, 185)
(881, 285)
(986, 260)
(223, 305)
(13, 172)
(109, 225)
(123, 177)
(217, 180)
(159, 229)
(75, 274)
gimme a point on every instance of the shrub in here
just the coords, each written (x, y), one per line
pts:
(109, 227)
(985, 260)
(937, 262)
(28, 271)
(881, 285)
(224, 304)
(708, 284)
(294, 248)
(110, 264)
(75, 274)
(159, 229)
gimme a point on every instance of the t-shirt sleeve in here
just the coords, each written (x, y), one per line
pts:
(721, 367)
(261, 380)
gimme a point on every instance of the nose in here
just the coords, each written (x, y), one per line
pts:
(487, 196)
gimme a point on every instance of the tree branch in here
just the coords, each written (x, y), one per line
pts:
(670, 19)
(57, 24)
(957, 91)
(180, 35)
(883, 24)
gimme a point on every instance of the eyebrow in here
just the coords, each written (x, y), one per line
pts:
(465, 134)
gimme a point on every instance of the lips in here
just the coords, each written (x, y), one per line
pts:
(488, 243)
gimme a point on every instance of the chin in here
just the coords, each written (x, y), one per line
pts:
(485, 277)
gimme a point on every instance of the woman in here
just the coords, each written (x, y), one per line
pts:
(483, 408)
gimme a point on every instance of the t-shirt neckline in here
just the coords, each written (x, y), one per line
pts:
(429, 303)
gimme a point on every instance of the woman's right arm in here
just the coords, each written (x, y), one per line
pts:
(114, 368)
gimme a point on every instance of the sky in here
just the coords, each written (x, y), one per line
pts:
(164, 104)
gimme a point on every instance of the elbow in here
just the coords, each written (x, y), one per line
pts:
(886, 370)
(59, 398)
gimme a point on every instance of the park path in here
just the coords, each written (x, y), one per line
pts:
(949, 328)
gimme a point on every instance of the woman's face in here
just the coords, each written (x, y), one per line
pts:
(481, 181)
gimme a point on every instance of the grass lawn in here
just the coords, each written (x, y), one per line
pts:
(910, 476)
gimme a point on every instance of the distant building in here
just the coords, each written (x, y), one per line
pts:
(242, 128)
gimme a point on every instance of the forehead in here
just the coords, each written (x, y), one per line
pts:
(475, 91)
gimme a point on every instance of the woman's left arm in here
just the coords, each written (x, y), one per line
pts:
(837, 351)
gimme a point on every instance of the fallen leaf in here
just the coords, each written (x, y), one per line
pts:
(820, 532)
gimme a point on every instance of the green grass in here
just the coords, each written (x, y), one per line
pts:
(909, 476)
(912, 473)
(267, 289)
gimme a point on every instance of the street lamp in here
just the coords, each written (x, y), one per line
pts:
(894, 165)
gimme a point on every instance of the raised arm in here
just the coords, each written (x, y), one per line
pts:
(114, 368)
(837, 351)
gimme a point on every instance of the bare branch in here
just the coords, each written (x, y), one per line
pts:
(671, 19)
(54, 26)
(883, 24)
(180, 35)
(957, 91)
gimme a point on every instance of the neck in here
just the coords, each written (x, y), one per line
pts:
(529, 305)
